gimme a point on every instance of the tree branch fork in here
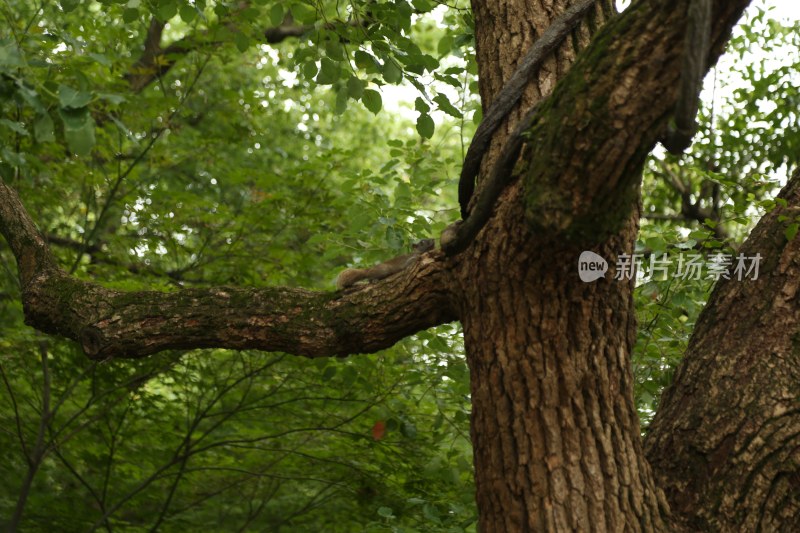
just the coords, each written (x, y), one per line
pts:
(579, 140)
(579, 153)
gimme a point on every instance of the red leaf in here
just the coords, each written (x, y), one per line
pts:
(378, 430)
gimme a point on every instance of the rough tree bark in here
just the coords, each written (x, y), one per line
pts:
(556, 437)
(554, 430)
(725, 443)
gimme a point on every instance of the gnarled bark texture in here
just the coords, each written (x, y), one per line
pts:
(556, 438)
(554, 430)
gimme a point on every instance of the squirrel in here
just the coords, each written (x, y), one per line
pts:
(350, 276)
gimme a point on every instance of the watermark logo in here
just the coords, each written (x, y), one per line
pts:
(689, 266)
(591, 266)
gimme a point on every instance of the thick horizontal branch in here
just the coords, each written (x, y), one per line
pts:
(110, 323)
(309, 323)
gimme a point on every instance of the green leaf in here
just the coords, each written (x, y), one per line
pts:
(349, 375)
(791, 231)
(385, 512)
(101, 59)
(241, 41)
(10, 56)
(422, 6)
(221, 10)
(81, 141)
(445, 45)
(365, 61)
(75, 119)
(391, 72)
(425, 126)
(445, 105)
(130, 14)
(113, 99)
(249, 14)
(123, 129)
(355, 88)
(431, 514)
(656, 243)
(329, 71)
(408, 430)
(44, 128)
(421, 106)
(687, 245)
(310, 70)
(341, 102)
(72, 99)
(450, 80)
(166, 10)
(429, 62)
(14, 126)
(188, 13)
(304, 13)
(334, 50)
(372, 100)
(31, 97)
(16, 159)
(276, 15)
(69, 5)
(438, 344)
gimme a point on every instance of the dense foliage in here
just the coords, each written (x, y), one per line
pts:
(256, 159)
(707, 201)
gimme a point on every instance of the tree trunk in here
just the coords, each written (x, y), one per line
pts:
(725, 442)
(554, 430)
(555, 433)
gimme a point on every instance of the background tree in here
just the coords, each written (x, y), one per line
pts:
(209, 157)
